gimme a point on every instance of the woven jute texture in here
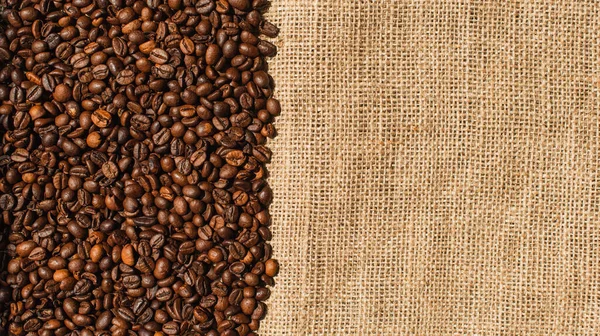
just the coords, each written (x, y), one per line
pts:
(436, 170)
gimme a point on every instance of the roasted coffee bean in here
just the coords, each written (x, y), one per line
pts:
(49, 82)
(119, 46)
(187, 46)
(158, 56)
(271, 267)
(133, 190)
(205, 6)
(144, 221)
(267, 48)
(7, 202)
(171, 328)
(110, 170)
(162, 268)
(240, 4)
(103, 322)
(100, 72)
(125, 77)
(213, 53)
(269, 29)
(62, 93)
(101, 118)
(34, 93)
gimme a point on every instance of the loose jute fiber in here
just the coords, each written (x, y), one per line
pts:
(436, 169)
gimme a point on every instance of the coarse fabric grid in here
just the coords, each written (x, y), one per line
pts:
(436, 169)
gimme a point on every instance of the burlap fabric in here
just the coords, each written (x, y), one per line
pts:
(436, 170)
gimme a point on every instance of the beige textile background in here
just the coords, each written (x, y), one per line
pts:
(436, 170)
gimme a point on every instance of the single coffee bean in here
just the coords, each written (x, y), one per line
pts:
(101, 118)
(103, 322)
(20, 155)
(205, 6)
(34, 93)
(110, 169)
(213, 53)
(267, 48)
(162, 268)
(164, 294)
(100, 72)
(128, 255)
(158, 56)
(269, 29)
(271, 267)
(125, 77)
(7, 202)
(171, 328)
(119, 46)
(165, 71)
(62, 93)
(248, 49)
(187, 46)
(144, 221)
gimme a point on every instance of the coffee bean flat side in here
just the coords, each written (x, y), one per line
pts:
(133, 190)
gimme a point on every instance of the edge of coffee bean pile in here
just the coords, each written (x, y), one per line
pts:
(133, 190)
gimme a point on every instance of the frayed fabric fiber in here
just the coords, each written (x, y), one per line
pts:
(436, 170)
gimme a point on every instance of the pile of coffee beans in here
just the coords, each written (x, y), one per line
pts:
(132, 167)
